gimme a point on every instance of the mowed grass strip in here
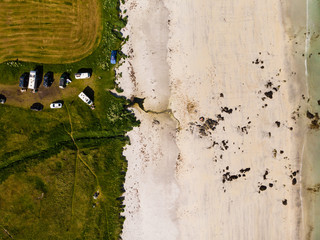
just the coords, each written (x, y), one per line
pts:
(49, 31)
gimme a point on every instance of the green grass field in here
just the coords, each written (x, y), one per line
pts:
(53, 161)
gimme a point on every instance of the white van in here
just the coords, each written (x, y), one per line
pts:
(82, 75)
(32, 80)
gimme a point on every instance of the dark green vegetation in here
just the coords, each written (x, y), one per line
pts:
(53, 161)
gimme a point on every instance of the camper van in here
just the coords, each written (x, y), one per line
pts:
(32, 80)
(82, 75)
(86, 99)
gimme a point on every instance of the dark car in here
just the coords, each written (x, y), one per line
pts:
(23, 80)
(64, 80)
(113, 59)
(48, 79)
(36, 107)
(3, 99)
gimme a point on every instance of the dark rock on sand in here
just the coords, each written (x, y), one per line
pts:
(263, 188)
(269, 94)
(277, 123)
(226, 109)
(211, 123)
(220, 118)
(294, 181)
(244, 170)
(310, 115)
(284, 202)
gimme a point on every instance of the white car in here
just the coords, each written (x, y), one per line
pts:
(56, 105)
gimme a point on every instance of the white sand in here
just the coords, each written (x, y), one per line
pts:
(205, 49)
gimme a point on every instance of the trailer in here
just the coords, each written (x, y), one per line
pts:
(32, 80)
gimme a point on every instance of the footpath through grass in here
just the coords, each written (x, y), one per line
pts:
(53, 161)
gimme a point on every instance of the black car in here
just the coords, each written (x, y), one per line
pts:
(3, 99)
(36, 107)
(24, 79)
(48, 79)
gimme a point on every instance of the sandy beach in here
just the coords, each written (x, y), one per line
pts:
(224, 162)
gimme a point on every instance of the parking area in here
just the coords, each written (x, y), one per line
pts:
(45, 95)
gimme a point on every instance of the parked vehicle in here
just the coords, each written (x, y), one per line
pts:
(36, 107)
(23, 81)
(86, 99)
(113, 59)
(48, 79)
(56, 105)
(64, 80)
(82, 75)
(3, 99)
(32, 80)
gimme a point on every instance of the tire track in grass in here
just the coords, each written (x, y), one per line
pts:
(76, 165)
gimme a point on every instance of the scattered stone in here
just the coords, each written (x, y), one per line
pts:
(318, 102)
(224, 143)
(270, 184)
(202, 131)
(269, 84)
(221, 95)
(294, 181)
(265, 174)
(277, 123)
(274, 153)
(263, 188)
(210, 123)
(310, 115)
(262, 67)
(284, 202)
(220, 118)
(201, 119)
(226, 109)
(244, 170)
(281, 151)
(269, 94)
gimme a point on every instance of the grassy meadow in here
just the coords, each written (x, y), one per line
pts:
(53, 161)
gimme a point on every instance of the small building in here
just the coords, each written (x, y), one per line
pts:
(113, 59)
(82, 75)
(32, 81)
(86, 99)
